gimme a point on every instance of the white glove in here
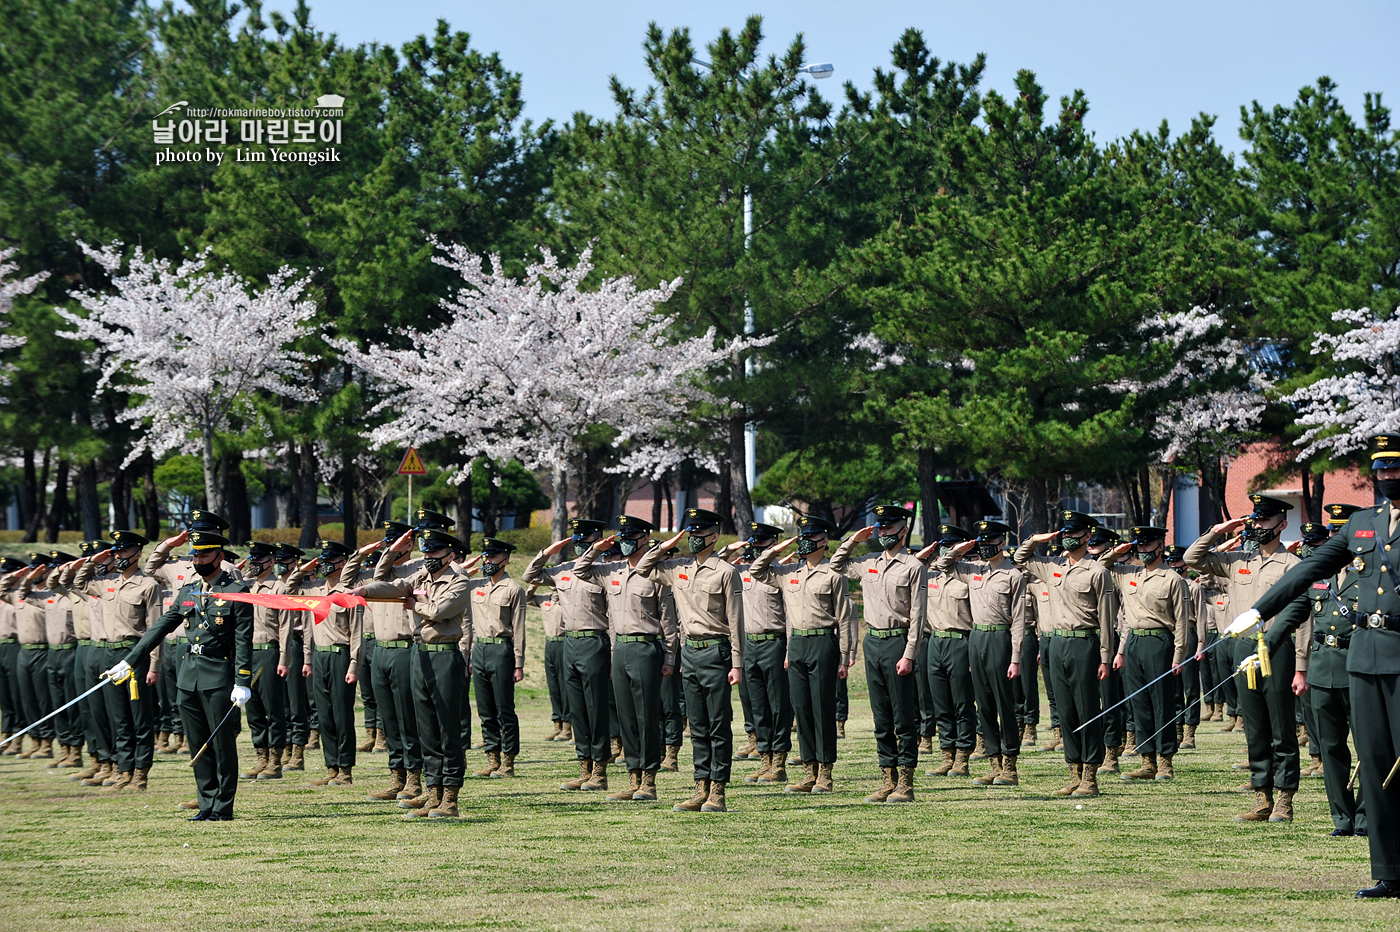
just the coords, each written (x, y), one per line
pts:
(1247, 662)
(118, 672)
(1243, 623)
(241, 695)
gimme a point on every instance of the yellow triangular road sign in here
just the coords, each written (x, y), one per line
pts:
(412, 464)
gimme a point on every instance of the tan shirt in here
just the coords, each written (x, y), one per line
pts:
(582, 601)
(29, 615)
(1202, 609)
(765, 611)
(7, 612)
(895, 590)
(1081, 595)
(1247, 576)
(129, 604)
(388, 621)
(267, 622)
(552, 613)
(997, 595)
(636, 605)
(709, 597)
(58, 616)
(61, 581)
(1154, 599)
(498, 611)
(813, 597)
(442, 609)
(949, 605)
(293, 623)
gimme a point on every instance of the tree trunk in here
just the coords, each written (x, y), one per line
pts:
(670, 502)
(1036, 516)
(1313, 491)
(307, 485)
(464, 507)
(36, 497)
(742, 511)
(560, 526)
(491, 514)
(347, 498)
(121, 500)
(58, 507)
(928, 495)
(724, 500)
(237, 511)
(211, 480)
(656, 503)
(88, 506)
(28, 499)
(152, 503)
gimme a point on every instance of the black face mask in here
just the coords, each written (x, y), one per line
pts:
(1305, 550)
(1180, 570)
(1390, 488)
(1146, 556)
(491, 569)
(206, 570)
(988, 551)
(325, 568)
(121, 563)
(1260, 535)
(433, 564)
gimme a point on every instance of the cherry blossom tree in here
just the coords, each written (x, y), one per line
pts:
(1362, 398)
(191, 345)
(523, 368)
(9, 290)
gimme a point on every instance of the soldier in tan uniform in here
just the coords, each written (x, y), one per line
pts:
(295, 667)
(497, 656)
(62, 635)
(1157, 621)
(12, 717)
(33, 667)
(895, 589)
(949, 669)
(997, 595)
(335, 665)
(1268, 710)
(552, 617)
(710, 605)
(1083, 609)
(87, 626)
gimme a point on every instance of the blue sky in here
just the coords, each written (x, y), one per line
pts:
(1138, 62)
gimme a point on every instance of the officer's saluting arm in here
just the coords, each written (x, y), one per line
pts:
(1025, 557)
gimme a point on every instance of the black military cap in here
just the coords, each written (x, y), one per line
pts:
(435, 538)
(39, 559)
(91, 548)
(207, 540)
(1175, 553)
(892, 514)
(490, 545)
(582, 527)
(1071, 521)
(1315, 533)
(393, 530)
(760, 531)
(1146, 535)
(334, 548)
(951, 534)
(696, 518)
(261, 549)
(58, 556)
(124, 539)
(812, 526)
(427, 518)
(286, 553)
(1385, 451)
(629, 523)
(991, 529)
(1339, 513)
(1267, 507)
(1103, 535)
(207, 521)
(11, 565)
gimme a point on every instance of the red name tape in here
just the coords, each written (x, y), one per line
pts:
(682, 576)
(1363, 534)
(1319, 585)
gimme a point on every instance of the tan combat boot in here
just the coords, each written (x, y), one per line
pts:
(823, 786)
(104, 770)
(883, 793)
(585, 770)
(715, 801)
(567, 734)
(1029, 737)
(1242, 765)
(12, 746)
(325, 780)
(943, 769)
(140, 779)
(188, 803)
(75, 756)
(646, 793)
(615, 751)
(1188, 740)
(1129, 743)
(493, 763)
(1008, 775)
(447, 805)
(368, 743)
(273, 770)
(381, 743)
(979, 752)
(163, 743)
(558, 727)
(925, 745)
(763, 768)
(904, 789)
(94, 765)
(45, 750)
(17, 746)
(392, 790)
(671, 762)
(1088, 782)
(122, 781)
(693, 804)
(598, 780)
(1314, 769)
(806, 785)
(313, 740)
(59, 759)
(1075, 774)
(258, 766)
(343, 777)
(1110, 759)
(1230, 722)
(1054, 740)
(1164, 768)
(634, 783)
(507, 768)
(427, 803)
(1302, 735)
(413, 786)
(776, 773)
(1148, 770)
(960, 761)
(990, 777)
(750, 750)
(298, 760)
(1283, 807)
(1263, 807)
(840, 729)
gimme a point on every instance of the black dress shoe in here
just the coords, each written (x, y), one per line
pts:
(201, 816)
(1360, 833)
(1341, 833)
(1384, 889)
(221, 817)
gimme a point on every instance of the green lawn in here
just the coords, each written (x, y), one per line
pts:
(532, 857)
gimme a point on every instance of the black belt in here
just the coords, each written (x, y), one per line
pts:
(1339, 641)
(1382, 620)
(205, 651)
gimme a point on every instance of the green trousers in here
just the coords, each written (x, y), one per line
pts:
(1270, 728)
(843, 700)
(950, 690)
(636, 681)
(133, 721)
(165, 697)
(96, 726)
(811, 672)
(554, 681)
(298, 695)
(267, 708)
(770, 702)
(673, 709)
(1027, 685)
(928, 720)
(1047, 647)
(335, 704)
(705, 672)
(1375, 705)
(1074, 671)
(1223, 661)
(587, 665)
(1155, 709)
(439, 692)
(1332, 714)
(216, 773)
(746, 705)
(33, 675)
(894, 703)
(1207, 673)
(393, 688)
(989, 653)
(493, 675)
(1189, 683)
(63, 688)
(1111, 692)
(371, 703)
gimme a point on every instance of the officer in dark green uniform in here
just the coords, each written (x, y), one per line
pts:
(1370, 543)
(1333, 603)
(215, 675)
(1313, 535)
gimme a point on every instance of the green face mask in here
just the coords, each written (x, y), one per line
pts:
(280, 569)
(696, 543)
(1305, 549)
